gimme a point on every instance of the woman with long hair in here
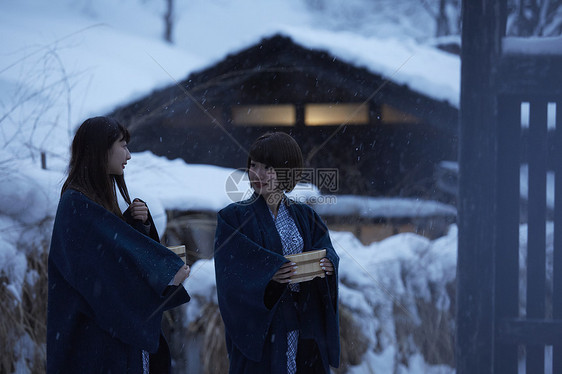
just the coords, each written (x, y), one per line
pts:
(109, 277)
(272, 325)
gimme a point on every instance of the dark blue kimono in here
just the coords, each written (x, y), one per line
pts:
(108, 288)
(258, 312)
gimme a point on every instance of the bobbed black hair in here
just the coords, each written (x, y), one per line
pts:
(280, 151)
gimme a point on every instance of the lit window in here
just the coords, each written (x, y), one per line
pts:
(393, 115)
(264, 115)
(336, 114)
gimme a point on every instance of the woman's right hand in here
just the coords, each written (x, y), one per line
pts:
(283, 275)
(139, 210)
(181, 275)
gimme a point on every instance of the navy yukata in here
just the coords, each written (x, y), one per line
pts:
(108, 289)
(258, 313)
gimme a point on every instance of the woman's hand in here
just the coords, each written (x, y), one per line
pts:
(327, 266)
(181, 275)
(139, 210)
(284, 273)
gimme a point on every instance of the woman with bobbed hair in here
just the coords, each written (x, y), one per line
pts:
(271, 324)
(109, 277)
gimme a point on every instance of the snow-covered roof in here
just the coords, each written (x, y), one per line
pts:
(533, 46)
(424, 69)
(383, 207)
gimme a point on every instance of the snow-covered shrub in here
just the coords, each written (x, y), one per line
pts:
(26, 217)
(401, 291)
(23, 291)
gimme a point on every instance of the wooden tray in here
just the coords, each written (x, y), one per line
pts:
(308, 265)
(180, 251)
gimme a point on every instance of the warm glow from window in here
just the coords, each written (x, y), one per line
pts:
(393, 115)
(264, 115)
(336, 114)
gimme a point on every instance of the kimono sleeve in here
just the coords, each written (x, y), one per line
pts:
(120, 273)
(328, 286)
(243, 270)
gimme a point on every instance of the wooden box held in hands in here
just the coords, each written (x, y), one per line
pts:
(308, 265)
(180, 251)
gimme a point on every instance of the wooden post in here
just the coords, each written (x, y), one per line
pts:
(536, 242)
(481, 43)
(506, 288)
(557, 255)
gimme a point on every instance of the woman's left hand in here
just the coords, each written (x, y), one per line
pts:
(181, 275)
(327, 266)
(139, 210)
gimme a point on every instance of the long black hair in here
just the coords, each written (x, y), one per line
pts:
(88, 169)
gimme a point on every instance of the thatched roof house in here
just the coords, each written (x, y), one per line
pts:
(381, 136)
